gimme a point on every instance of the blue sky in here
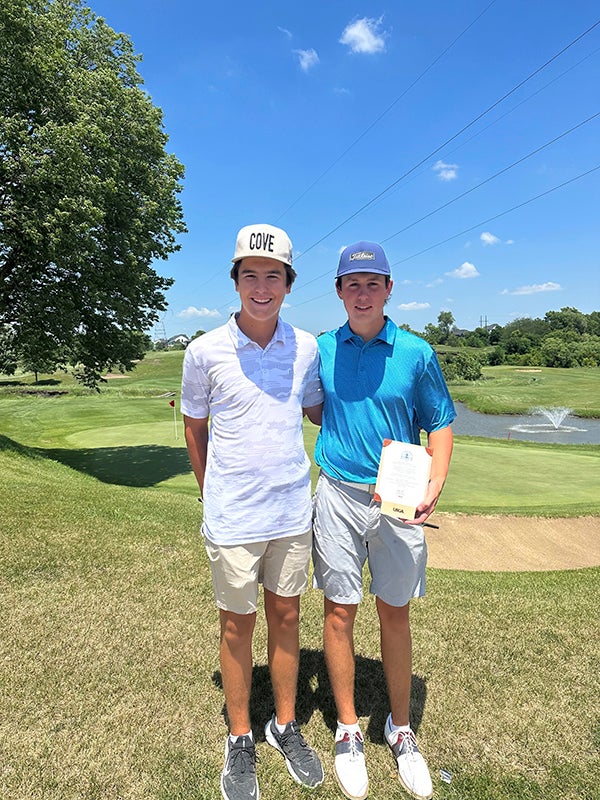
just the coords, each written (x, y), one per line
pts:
(342, 121)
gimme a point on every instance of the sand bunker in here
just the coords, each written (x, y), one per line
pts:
(507, 544)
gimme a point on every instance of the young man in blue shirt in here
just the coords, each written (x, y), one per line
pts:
(379, 382)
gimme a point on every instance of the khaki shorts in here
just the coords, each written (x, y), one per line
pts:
(349, 529)
(281, 565)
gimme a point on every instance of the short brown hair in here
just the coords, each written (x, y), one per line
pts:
(338, 281)
(290, 273)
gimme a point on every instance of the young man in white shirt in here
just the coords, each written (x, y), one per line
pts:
(254, 378)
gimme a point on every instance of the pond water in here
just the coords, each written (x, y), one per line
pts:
(528, 427)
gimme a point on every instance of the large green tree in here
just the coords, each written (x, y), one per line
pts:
(88, 194)
(440, 333)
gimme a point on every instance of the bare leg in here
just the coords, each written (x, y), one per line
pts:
(396, 655)
(338, 640)
(236, 667)
(283, 614)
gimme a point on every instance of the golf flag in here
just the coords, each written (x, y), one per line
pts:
(172, 404)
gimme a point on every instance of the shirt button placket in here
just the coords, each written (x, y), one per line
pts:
(263, 369)
(362, 370)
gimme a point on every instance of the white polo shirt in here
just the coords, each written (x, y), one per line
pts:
(257, 481)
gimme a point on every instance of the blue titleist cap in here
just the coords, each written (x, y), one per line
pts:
(363, 257)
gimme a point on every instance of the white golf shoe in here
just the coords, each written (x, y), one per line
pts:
(413, 772)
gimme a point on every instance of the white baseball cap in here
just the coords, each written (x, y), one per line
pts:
(263, 240)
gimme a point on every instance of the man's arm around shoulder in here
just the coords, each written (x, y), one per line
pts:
(314, 413)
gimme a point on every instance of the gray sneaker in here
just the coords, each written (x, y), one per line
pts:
(238, 779)
(301, 760)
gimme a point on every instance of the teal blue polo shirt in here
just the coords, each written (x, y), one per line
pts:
(387, 388)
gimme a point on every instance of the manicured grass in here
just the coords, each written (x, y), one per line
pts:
(156, 373)
(503, 390)
(110, 687)
(494, 476)
(131, 441)
(110, 679)
(529, 480)
(514, 390)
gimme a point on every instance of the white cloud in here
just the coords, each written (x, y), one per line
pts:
(285, 32)
(363, 36)
(489, 238)
(536, 288)
(191, 312)
(341, 90)
(435, 282)
(466, 270)
(445, 172)
(510, 241)
(414, 306)
(307, 58)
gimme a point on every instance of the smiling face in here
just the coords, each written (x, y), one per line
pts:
(364, 295)
(262, 287)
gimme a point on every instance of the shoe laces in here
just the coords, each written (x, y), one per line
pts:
(351, 738)
(407, 741)
(292, 739)
(242, 759)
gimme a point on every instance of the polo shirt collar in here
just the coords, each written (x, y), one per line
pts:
(387, 334)
(241, 340)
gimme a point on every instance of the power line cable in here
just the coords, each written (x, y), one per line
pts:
(218, 273)
(497, 216)
(467, 230)
(383, 113)
(470, 124)
(452, 138)
(477, 186)
(502, 116)
(458, 197)
(522, 102)
(506, 113)
(491, 177)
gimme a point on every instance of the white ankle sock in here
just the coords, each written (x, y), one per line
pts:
(395, 728)
(233, 738)
(350, 728)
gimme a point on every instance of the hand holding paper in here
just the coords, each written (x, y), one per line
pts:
(403, 478)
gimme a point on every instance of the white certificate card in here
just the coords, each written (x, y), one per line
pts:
(402, 478)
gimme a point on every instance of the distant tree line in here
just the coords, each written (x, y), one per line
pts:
(565, 338)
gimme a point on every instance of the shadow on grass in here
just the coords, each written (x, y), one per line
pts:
(314, 693)
(31, 384)
(140, 466)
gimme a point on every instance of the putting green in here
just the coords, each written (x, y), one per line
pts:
(500, 477)
(162, 433)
